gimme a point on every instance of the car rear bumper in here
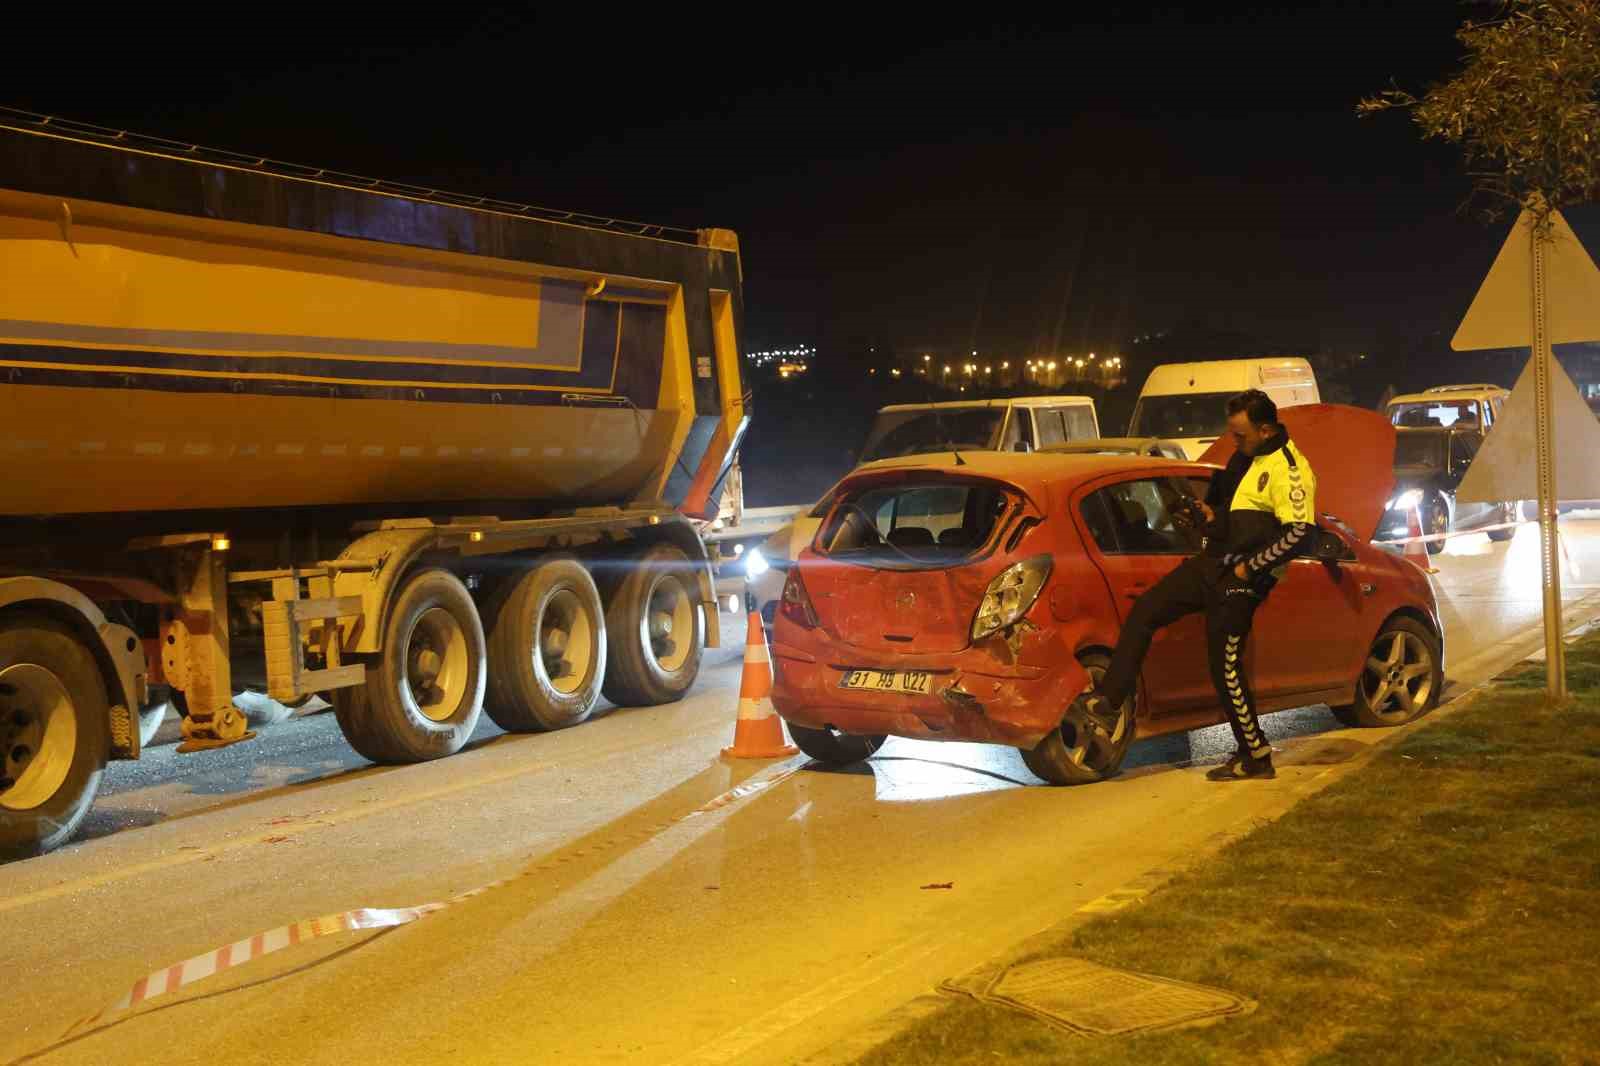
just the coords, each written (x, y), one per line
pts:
(973, 697)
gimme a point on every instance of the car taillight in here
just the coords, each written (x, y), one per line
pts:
(1010, 595)
(796, 604)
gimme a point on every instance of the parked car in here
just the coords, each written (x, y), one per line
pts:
(1428, 467)
(1169, 449)
(972, 602)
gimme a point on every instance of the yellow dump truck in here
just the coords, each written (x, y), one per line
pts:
(272, 427)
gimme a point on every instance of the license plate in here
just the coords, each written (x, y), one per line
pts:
(914, 682)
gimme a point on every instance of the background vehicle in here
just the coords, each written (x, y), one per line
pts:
(1187, 402)
(275, 427)
(1449, 405)
(1428, 466)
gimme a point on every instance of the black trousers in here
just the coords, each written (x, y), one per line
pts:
(1200, 583)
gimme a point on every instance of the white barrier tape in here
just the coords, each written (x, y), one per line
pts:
(1457, 533)
(242, 952)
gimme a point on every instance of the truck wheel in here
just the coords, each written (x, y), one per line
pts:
(423, 696)
(655, 630)
(54, 734)
(1078, 753)
(547, 649)
(1400, 679)
(836, 749)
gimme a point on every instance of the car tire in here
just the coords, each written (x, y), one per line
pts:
(1436, 521)
(1416, 666)
(1071, 754)
(655, 629)
(835, 748)
(424, 694)
(55, 706)
(547, 649)
(1509, 512)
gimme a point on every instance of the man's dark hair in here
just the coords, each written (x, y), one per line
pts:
(1256, 405)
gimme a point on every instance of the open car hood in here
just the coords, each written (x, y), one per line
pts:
(1351, 449)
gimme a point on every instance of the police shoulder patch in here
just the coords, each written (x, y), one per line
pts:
(1261, 483)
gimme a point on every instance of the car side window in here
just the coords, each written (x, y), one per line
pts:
(1079, 422)
(1135, 518)
(1048, 419)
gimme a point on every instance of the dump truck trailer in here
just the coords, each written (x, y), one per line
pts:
(278, 428)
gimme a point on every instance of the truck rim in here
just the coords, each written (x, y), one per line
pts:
(668, 623)
(38, 734)
(436, 665)
(564, 646)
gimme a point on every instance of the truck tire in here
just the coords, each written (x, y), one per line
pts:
(547, 649)
(655, 630)
(424, 693)
(55, 734)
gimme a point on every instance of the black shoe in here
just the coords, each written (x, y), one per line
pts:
(1094, 708)
(1243, 767)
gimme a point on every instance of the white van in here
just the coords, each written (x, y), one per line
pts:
(1187, 402)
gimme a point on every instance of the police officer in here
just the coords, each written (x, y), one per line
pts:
(1258, 514)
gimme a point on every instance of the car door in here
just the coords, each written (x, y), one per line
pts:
(1134, 544)
(1304, 633)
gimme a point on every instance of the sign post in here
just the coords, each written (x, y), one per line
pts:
(1542, 290)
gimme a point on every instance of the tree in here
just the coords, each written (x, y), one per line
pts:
(1525, 107)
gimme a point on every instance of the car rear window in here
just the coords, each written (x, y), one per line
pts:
(915, 523)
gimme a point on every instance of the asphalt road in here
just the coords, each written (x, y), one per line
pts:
(651, 914)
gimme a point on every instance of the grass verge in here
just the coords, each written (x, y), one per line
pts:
(1439, 905)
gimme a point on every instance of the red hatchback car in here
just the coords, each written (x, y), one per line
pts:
(970, 599)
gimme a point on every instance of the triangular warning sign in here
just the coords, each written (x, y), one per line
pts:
(1501, 315)
(1505, 467)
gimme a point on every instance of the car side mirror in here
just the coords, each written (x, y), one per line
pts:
(1330, 547)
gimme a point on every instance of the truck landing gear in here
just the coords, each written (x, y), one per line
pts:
(216, 730)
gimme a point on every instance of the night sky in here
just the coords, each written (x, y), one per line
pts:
(925, 182)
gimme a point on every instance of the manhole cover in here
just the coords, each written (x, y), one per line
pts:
(1092, 1000)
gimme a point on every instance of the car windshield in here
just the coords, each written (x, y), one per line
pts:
(896, 433)
(1419, 449)
(1190, 414)
(915, 523)
(1435, 413)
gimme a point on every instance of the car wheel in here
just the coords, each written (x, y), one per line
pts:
(1079, 751)
(1509, 512)
(1436, 522)
(833, 747)
(1400, 677)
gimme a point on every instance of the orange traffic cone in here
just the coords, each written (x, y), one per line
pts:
(759, 733)
(1416, 551)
